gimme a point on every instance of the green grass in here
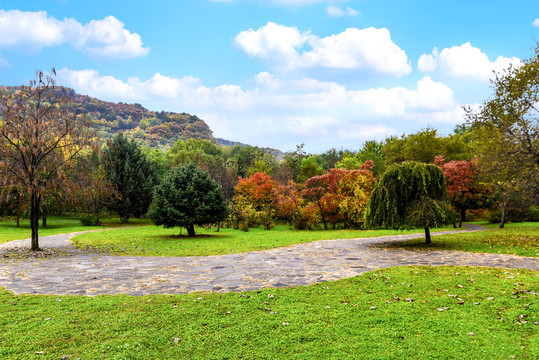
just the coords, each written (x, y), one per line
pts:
(416, 315)
(56, 225)
(517, 239)
(157, 241)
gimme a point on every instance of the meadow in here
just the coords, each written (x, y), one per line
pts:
(396, 313)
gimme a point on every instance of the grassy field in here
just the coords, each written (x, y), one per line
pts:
(57, 225)
(157, 241)
(517, 238)
(397, 313)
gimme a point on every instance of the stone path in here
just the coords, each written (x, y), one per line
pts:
(79, 273)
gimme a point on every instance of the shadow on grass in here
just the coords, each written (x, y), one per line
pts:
(187, 237)
(418, 245)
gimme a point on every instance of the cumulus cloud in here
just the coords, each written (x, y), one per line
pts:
(352, 49)
(536, 22)
(281, 112)
(335, 11)
(33, 31)
(464, 61)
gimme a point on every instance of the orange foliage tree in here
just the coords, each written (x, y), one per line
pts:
(257, 191)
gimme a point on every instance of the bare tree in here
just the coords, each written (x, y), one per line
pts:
(40, 137)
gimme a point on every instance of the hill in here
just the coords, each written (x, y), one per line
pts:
(156, 129)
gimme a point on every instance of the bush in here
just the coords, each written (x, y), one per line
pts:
(87, 220)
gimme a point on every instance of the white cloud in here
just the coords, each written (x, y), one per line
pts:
(464, 61)
(282, 112)
(33, 31)
(536, 22)
(335, 11)
(352, 49)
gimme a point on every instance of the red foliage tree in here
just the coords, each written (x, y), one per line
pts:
(463, 186)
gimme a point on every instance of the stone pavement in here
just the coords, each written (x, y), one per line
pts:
(79, 273)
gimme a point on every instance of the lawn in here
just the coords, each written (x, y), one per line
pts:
(157, 241)
(516, 238)
(396, 313)
(56, 225)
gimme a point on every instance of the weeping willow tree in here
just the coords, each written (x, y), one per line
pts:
(407, 195)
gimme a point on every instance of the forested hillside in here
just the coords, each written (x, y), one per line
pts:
(156, 129)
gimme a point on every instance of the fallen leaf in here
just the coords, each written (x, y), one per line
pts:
(373, 308)
(270, 296)
(176, 340)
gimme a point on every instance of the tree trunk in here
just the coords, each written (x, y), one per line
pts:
(18, 220)
(44, 221)
(427, 236)
(125, 218)
(322, 215)
(190, 230)
(34, 221)
(502, 221)
(462, 216)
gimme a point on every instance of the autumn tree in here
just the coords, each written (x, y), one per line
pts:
(133, 175)
(257, 191)
(321, 190)
(410, 194)
(464, 187)
(186, 197)
(39, 139)
(354, 190)
(293, 208)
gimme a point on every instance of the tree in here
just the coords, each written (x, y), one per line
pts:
(39, 139)
(186, 197)
(463, 186)
(257, 191)
(292, 207)
(323, 191)
(409, 194)
(133, 175)
(354, 189)
(507, 128)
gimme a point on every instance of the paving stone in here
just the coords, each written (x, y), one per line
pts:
(75, 272)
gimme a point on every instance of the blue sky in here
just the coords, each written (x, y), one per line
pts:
(277, 73)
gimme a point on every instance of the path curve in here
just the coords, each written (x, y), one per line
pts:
(79, 273)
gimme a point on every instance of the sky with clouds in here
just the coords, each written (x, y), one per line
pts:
(277, 73)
